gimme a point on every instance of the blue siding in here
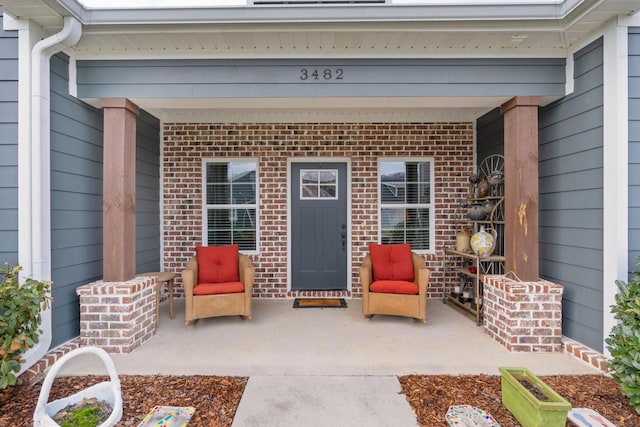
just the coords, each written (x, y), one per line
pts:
(8, 146)
(284, 78)
(147, 193)
(76, 200)
(634, 148)
(490, 134)
(571, 193)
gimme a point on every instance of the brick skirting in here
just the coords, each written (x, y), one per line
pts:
(523, 316)
(586, 354)
(117, 316)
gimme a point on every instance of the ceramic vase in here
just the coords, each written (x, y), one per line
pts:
(483, 187)
(476, 213)
(463, 240)
(484, 242)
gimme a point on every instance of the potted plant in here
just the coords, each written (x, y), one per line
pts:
(533, 402)
(624, 340)
(21, 307)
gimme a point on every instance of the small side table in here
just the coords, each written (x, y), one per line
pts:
(162, 277)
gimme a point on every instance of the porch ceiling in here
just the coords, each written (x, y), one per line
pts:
(352, 110)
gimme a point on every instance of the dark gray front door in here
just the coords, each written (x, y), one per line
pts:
(318, 226)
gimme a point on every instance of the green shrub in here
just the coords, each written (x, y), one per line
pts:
(624, 340)
(21, 309)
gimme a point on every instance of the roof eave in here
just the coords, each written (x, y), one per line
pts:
(454, 11)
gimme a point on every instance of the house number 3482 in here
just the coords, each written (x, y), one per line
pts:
(321, 74)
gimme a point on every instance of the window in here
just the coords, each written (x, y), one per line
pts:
(406, 200)
(318, 184)
(231, 206)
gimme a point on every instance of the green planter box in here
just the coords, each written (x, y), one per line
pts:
(544, 409)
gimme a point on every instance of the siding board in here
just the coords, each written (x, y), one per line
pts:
(147, 193)
(8, 46)
(634, 148)
(490, 131)
(266, 78)
(573, 181)
(571, 191)
(8, 146)
(76, 200)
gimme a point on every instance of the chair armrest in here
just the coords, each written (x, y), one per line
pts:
(423, 280)
(247, 272)
(189, 278)
(421, 273)
(366, 273)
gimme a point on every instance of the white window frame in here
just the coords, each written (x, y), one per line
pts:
(430, 206)
(206, 207)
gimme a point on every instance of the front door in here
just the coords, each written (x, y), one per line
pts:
(319, 226)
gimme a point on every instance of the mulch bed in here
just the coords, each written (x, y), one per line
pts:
(431, 395)
(216, 398)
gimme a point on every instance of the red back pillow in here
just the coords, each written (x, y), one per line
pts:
(217, 264)
(392, 262)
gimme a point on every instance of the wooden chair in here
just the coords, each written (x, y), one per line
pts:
(218, 281)
(394, 282)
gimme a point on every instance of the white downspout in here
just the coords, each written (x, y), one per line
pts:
(40, 167)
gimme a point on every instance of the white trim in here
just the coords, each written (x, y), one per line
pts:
(161, 199)
(28, 35)
(431, 205)
(73, 75)
(345, 160)
(569, 69)
(616, 161)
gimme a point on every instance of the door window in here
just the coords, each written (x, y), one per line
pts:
(318, 184)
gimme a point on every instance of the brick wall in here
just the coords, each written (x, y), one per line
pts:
(523, 316)
(117, 316)
(185, 145)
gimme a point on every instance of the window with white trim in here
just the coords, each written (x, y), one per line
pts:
(406, 202)
(231, 203)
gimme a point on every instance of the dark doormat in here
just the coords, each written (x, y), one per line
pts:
(319, 302)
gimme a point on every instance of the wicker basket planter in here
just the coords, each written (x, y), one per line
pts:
(544, 409)
(107, 391)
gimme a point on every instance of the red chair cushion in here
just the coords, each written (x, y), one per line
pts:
(218, 288)
(217, 264)
(392, 262)
(394, 287)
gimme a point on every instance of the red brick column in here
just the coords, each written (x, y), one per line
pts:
(523, 316)
(117, 316)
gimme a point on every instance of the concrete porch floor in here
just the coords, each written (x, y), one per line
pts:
(323, 367)
(281, 340)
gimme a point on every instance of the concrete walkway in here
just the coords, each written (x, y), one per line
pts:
(324, 367)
